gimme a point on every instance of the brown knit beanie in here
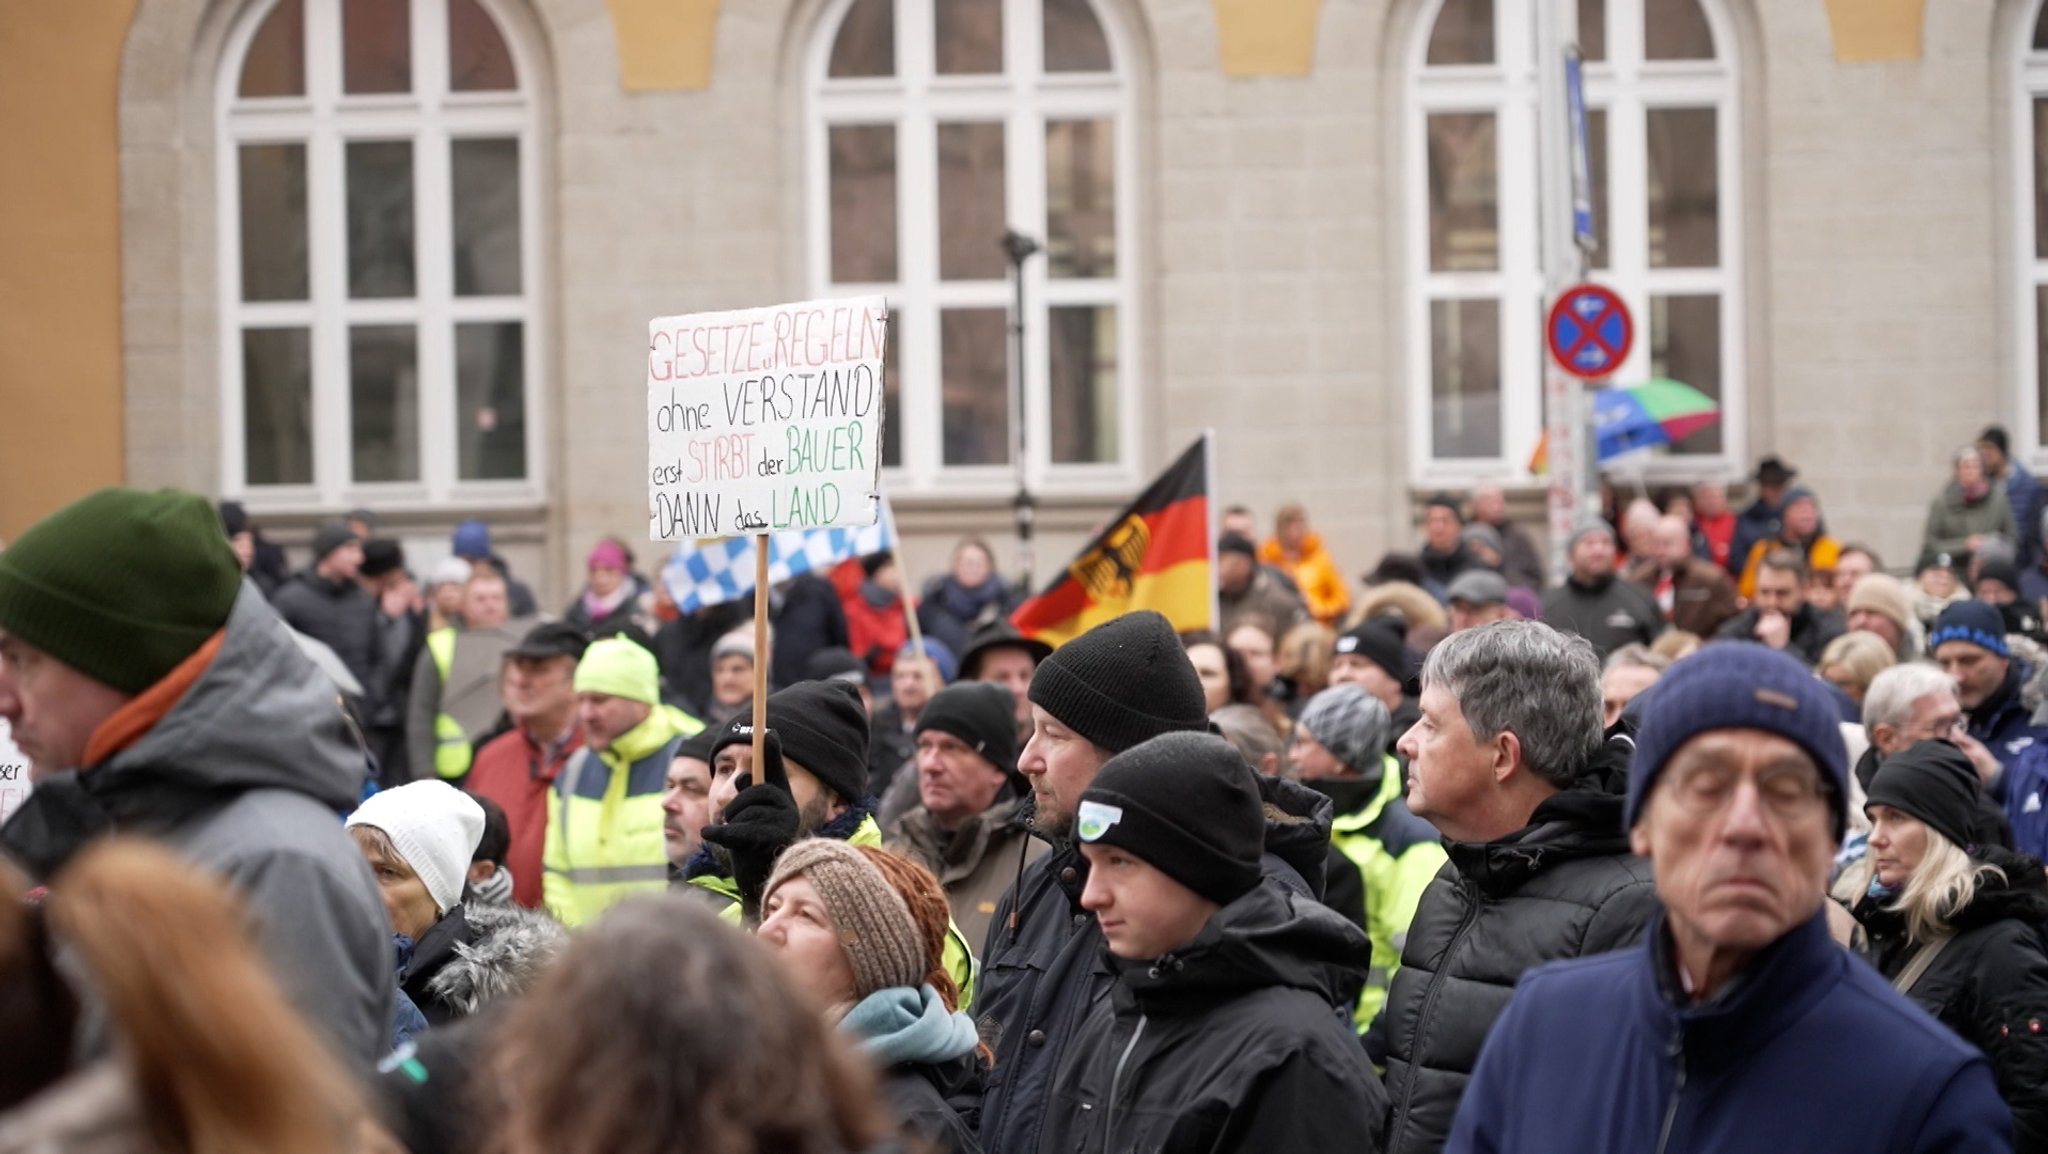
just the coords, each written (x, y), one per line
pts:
(1885, 595)
(926, 900)
(883, 945)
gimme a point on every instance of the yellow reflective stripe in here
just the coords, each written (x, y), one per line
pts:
(612, 875)
(441, 643)
(452, 752)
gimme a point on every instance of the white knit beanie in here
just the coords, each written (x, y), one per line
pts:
(434, 827)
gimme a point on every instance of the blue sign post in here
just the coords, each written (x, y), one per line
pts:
(1582, 168)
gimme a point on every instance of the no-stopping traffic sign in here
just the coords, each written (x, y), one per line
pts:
(1589, 331)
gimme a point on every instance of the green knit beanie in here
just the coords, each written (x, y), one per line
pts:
(121, 585)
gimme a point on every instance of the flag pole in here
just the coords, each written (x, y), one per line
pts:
(760, 651)
(1209, 506)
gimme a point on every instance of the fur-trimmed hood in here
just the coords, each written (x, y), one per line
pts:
(505, 948)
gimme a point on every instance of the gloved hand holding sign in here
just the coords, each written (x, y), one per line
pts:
(758, 824)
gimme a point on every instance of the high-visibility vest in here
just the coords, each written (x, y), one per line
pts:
(958, 957)
(452, 751)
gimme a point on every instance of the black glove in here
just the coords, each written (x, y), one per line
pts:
(758, 824)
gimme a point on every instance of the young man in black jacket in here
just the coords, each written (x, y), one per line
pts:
(1044, 975)
(1228, 1031)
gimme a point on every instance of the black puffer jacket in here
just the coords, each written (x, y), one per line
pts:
(1564, 886)
(1989, 984)
(1045, 979)
(1233, 1042)
(340, 613)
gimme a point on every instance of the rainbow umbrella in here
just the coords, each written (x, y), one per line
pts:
(1632, 417)
(1658, 412)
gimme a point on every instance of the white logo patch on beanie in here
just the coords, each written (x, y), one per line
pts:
(1094, 819)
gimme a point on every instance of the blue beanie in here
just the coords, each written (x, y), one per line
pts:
(935, 649)
(1739, 685)
(472, 539)
(1972, 621)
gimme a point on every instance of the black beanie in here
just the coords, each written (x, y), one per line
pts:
(1126, 680)
(980, 713)
(1383, 645)
(330, 536)
(698, 746)
(382, 555)
(1186, 805)
(1935, 782)
(1236, 543)
(821, 727)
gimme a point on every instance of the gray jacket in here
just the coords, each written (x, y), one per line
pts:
(248, 776)
(471, 694)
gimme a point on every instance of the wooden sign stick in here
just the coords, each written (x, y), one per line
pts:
(760, 652)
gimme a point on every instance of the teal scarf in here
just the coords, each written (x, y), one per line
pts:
(902, 1026)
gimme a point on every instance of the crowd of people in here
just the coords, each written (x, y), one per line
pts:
(1731, 839)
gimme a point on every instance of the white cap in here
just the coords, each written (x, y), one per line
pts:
(434, 827)
(453, 571)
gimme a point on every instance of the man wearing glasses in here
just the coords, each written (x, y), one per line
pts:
(1738, 1024)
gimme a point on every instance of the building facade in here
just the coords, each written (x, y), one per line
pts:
(322, 254)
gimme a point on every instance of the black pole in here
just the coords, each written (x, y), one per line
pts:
(1020, 248)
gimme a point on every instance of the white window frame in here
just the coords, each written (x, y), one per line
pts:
(2030, 272)
(1625, 87)
(429, 117)
(916, 100)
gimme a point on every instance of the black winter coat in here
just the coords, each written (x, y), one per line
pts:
(1045, 980)
(1989, 984)
(683, 647)
(807, 617)
(935, 1103)
(1609, 612)
(1238, 1041)
(1811, 631)
(340, 613)
(1564, 886)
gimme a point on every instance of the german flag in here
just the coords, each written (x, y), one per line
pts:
(1158, 554)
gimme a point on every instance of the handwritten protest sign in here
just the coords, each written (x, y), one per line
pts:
(766, 419)
(14, 784)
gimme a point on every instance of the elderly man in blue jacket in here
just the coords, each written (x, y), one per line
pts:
(1740, 1024)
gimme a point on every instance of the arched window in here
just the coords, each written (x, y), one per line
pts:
(378, 255)
(932, 126)
(1662, 127)
(2030, 124)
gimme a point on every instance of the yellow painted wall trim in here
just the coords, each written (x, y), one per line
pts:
(61, 430)
(1267, 37)
(664, 45)
(1867, 30)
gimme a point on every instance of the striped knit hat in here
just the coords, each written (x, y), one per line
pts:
(883, 945)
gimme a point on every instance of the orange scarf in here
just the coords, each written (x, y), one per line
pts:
(127, 724)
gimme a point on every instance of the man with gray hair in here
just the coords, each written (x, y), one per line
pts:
(1509, 765)
(1911, 703)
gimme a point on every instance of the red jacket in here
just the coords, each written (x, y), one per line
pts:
(514, 771)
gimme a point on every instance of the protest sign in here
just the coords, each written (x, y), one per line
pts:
(14, 783)
(765, 419)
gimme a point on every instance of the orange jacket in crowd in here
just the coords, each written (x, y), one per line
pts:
(1313, 571)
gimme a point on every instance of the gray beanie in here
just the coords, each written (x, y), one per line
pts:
(1351, 723)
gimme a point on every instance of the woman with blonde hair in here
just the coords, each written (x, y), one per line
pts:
(1305, 655)
(204, 1054)
(1850, 662)
(1956, 924)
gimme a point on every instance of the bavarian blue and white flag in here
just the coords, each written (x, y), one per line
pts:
(720, 569)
